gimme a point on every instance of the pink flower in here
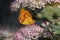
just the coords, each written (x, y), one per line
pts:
(28, 32)
(45, 24)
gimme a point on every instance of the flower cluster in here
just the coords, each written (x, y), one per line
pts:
(31, 3)
(28, 32)
(6, 34)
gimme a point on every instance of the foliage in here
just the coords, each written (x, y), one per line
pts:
(52, 14)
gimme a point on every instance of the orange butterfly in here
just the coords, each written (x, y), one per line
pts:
(25, 17)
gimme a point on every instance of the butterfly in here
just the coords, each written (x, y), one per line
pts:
(25, 17)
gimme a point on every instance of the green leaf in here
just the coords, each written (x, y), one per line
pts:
(57, 11)
(47, 12)
(55, 28)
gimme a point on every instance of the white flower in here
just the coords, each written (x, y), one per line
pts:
(14, 5)
(31, 3)
(45, 24)
(25, 3)
(6, 34)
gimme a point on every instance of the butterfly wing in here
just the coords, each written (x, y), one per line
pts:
(25, 17)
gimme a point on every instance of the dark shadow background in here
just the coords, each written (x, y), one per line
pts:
(4, 10)
(6, 16)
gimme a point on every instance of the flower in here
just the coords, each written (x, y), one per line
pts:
(45, 24)
(28, 32)
(14, 5)
(6, 34)
(31, 3)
